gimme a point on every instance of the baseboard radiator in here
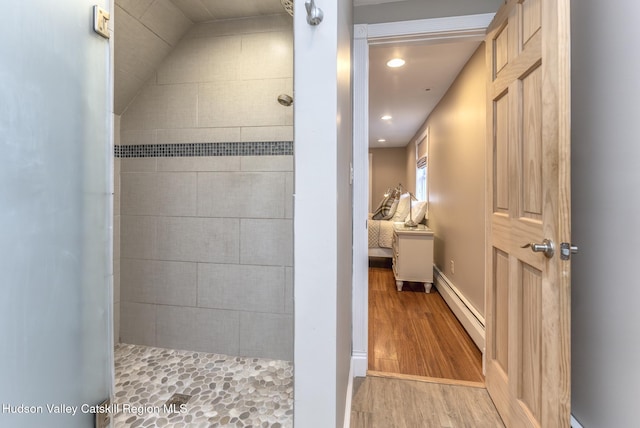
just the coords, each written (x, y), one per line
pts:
(469, 317)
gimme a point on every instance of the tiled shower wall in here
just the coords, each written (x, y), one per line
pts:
(206, 241)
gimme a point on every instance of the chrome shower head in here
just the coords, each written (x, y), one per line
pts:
(285, 100)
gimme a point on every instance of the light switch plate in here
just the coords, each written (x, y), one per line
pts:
(100, 19)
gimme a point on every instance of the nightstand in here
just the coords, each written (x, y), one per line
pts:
(413, 255)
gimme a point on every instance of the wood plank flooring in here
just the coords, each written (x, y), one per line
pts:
(394, 403)
(414, 333)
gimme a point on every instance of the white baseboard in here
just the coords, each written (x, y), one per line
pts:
(575, 423)
(348, 398)
(359, 363)
(468, 316)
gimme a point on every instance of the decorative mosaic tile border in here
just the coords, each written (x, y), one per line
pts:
(257, 148)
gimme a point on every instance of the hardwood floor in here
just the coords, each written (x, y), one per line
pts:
(394, 403)
(415, 335)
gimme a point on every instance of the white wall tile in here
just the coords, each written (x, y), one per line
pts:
(139, 193)
(202, 60)
(166, 20)
(137, 136)
(138, 165)
(242, 26)
(198, 135)
(116, 322)
(176, 193)
(126, 86)
(137, 280)
(195, 10)
(139, 238)
(267, 133)
(266, 335)
(163, 106)
(161, 282)
(138, 323)
(116, 280)
(266, 56)
(266, 242)
(159, 194)
(116, 237)
(288, 195)
(267, 163)
(117, 163)
(244, 103)
(213, 240)
(198, 329)
(196, 163)
(288, 290)
(139, 50)
(241, 287)
(241, 194)
(134, 7)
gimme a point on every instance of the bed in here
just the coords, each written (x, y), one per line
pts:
(393, 208)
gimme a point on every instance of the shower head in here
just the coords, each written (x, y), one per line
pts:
(285, 100)
(288, 6)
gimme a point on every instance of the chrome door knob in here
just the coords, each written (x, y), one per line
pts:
(547, 248)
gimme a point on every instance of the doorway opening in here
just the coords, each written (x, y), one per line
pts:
(397, 331)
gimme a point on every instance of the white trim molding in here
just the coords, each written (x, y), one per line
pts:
(470, 27)
(348, 398)
(360, 306)
(469, 317)
(575, 423)
(437, 29)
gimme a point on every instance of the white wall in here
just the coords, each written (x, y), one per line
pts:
(605, 213)
(322, 222)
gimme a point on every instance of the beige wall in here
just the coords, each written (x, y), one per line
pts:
(456, 177)
(388, 169)
(207, 241)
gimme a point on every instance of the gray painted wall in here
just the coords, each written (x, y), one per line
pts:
(605, 213)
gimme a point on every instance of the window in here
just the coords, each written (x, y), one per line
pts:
(422, 149)
(421, 179)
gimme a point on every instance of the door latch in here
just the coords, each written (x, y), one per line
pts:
(566, 249)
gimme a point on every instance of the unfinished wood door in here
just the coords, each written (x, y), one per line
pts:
(528, 308)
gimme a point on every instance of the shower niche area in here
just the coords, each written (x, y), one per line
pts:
(203, 208)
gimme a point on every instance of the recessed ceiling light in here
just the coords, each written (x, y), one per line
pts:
(386, 117)
(382, 140)
(396, 62)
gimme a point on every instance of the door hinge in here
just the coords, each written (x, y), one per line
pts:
(100, 19)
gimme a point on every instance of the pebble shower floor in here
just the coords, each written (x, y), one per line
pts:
(224, 391)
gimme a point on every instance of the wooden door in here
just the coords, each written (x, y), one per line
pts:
(528, 308)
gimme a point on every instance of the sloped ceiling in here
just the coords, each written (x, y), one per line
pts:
(147, 30)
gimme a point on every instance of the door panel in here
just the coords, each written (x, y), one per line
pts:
(528, 355)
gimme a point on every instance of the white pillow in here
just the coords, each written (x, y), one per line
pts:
(418, 210)
(402, 210)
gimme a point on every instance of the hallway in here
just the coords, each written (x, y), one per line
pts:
(416, 334)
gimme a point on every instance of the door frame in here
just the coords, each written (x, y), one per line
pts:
(436, 30)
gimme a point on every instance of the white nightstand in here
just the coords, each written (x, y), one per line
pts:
(413, 255)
